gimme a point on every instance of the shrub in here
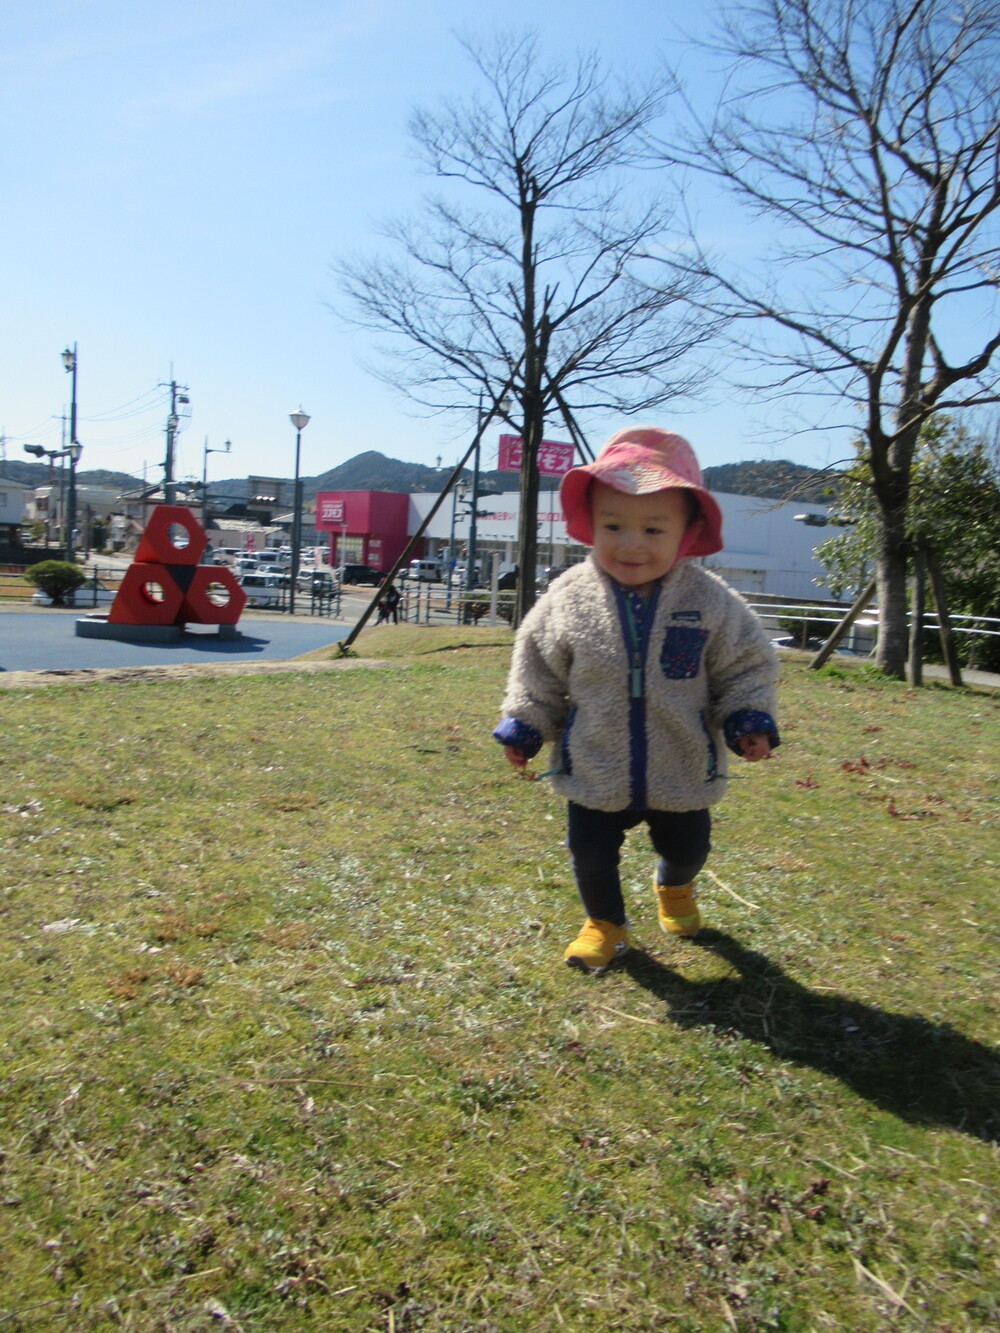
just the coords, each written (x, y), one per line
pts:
(56, 578)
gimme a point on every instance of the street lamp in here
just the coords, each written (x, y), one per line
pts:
(204, 474)
(458, 495)
(75, 449)
(300, 421)
(39, 451)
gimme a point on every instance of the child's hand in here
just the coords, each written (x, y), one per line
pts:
(755, 746)
(515, 756)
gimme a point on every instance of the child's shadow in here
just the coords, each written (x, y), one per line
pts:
(922, 1071)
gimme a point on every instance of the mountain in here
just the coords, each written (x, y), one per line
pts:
(770, 479)
(373, 471)
(38, 474)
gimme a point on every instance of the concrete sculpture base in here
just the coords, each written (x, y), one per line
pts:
(98, 627)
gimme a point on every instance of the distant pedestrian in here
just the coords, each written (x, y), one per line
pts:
(388, 607)
(641, 668)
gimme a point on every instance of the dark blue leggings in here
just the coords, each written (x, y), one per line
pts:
(595, 838)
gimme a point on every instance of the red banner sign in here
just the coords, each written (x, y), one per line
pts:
(553, 459)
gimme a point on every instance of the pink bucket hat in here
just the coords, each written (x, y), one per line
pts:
(638, 461)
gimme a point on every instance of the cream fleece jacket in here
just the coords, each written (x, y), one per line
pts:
(640, 721)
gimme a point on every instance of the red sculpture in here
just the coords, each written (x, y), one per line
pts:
(165, 584)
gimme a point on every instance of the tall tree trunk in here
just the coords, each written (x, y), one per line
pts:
(891, 566)
(891, 461)
(527, 532)
(917, 626)
(533, 407)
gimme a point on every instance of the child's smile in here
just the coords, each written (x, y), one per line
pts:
(637, 537)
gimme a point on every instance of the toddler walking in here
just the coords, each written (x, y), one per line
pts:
(641, 668)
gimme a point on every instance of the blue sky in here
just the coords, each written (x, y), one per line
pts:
(177, 181)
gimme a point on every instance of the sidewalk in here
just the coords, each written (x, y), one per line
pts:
(985, 679)
(932, 670)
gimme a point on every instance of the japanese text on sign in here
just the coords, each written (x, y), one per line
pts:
(553, 458)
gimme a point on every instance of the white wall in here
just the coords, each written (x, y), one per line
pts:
(765, 551)
(14, 497)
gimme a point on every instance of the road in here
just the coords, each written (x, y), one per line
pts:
(45, 640)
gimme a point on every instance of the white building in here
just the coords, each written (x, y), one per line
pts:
(766, 550)
(14, 502)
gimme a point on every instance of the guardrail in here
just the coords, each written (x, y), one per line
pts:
(864, 631)
(99, 590)
(430, 603)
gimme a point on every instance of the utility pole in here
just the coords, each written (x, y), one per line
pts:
(178, 395)
(470, 563)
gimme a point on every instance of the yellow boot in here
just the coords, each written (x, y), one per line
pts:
(677, 909)
(597, 946)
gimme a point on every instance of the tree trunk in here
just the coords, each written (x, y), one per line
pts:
(917, 627)
(891, 564)
(944, 623)
(527, 532)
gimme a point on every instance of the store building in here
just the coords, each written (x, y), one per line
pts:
(767, 550)
(365, 527)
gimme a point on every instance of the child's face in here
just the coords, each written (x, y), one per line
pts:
(636, 537)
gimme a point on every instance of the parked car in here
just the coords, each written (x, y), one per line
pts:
(358, 574)
(425, 571)
(316, 580)
(458, 575)
(275, 558)
(507, 582)
(264, 589)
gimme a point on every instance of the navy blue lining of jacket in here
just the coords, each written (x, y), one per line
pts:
(637, 644)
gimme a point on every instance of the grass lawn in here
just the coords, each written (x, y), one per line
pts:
(287, 1042)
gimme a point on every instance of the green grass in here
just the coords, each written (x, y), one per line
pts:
(287, 1042)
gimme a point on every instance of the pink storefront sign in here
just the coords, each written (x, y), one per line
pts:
(332, 511)
(554, 459)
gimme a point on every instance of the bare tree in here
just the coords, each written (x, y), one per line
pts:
(534, 276)
(867, 132)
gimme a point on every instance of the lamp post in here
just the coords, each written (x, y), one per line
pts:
(300, 421)
(74, 451)
(204, 474)
(470, 564)
(457, 496)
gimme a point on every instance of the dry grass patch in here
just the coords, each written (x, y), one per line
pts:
(287, 1043)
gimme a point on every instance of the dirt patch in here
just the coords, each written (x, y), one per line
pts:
(22, 680)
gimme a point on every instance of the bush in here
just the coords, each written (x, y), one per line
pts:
(56, 578)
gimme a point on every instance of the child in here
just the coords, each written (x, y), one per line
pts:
(639, 666)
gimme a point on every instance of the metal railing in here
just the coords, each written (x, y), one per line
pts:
(99, 589)
(775, 616)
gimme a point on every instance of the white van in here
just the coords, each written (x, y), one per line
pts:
(264, 589)
(275, 557)
(425, 571)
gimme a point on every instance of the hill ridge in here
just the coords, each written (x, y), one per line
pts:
(374, 471)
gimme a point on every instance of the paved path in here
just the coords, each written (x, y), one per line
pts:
(46, 640)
